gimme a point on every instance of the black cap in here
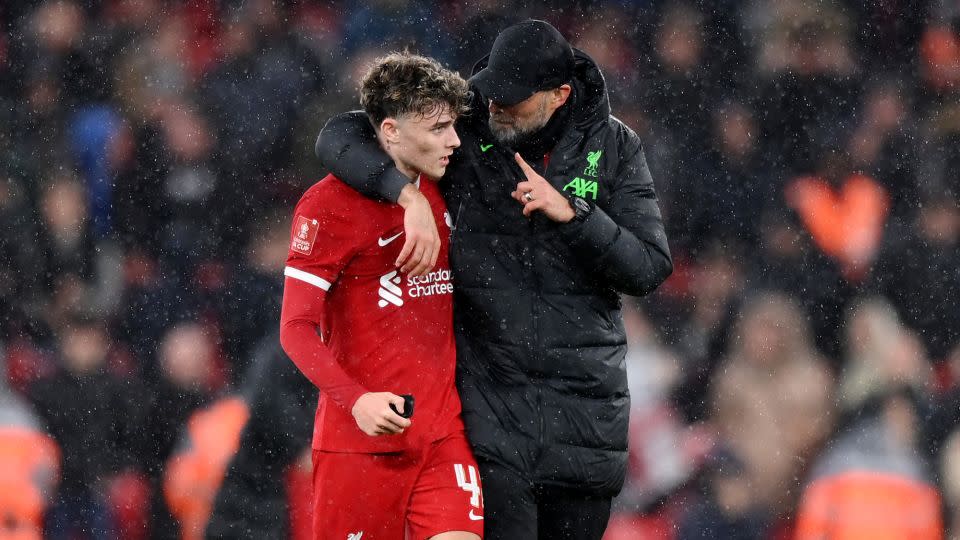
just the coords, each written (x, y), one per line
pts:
(526, 58)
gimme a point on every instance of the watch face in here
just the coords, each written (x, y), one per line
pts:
(582, 204)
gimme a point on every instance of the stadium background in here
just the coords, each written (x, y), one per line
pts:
(807, 156)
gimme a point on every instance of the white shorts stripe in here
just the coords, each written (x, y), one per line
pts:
(316, 281)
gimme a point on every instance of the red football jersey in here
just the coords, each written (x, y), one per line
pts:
(379, 330)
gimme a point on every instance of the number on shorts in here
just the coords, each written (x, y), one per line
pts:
(472, 487)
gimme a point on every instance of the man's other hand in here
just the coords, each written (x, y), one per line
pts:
(374, 416)
(535, 193)
(421, 247)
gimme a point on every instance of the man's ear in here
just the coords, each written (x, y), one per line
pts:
(561, 94)
(389, 129)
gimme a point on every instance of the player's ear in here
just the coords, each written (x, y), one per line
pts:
(389, 129)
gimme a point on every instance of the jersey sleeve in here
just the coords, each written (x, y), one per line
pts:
(322, 242)
(323, 239)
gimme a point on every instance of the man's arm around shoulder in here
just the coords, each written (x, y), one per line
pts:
(347, 146)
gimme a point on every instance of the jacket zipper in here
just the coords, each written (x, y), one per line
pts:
(537, 349)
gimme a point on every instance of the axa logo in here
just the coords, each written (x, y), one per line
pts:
(582, 188)
(390, 291)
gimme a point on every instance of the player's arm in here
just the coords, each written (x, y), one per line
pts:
(300, 338)
(316, 256)
(347, 147)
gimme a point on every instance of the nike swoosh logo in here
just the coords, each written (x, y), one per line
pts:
(484, 148)
(384, 241)
(474, 517)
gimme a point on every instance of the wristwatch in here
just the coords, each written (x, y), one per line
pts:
(581, 209)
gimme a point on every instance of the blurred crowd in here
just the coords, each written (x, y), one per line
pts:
(799, 373)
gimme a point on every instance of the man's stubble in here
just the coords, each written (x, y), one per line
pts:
(520, 130)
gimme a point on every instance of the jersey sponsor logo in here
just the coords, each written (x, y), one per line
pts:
(355, 536)
(582, 188)
(304, 234)
(389, 291)
(433, 283)
(436, 282)
(384, 241)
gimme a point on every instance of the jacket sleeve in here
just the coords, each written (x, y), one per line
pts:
(347, 147)
(626, 241)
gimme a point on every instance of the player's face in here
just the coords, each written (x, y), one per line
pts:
(425, 142)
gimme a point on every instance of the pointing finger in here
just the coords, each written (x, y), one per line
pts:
(527, 169)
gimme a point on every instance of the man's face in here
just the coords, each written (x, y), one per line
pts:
(514, 123)
(425, 142)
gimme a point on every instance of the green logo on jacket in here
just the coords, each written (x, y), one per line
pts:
(593, 158)
(582, 188)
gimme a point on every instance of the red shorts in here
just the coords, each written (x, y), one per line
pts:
(412, 495)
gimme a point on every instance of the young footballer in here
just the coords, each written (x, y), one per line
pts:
(390, 457)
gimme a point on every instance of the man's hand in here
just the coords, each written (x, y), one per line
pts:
(421, 247)
(537, 194)
(374, 416)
